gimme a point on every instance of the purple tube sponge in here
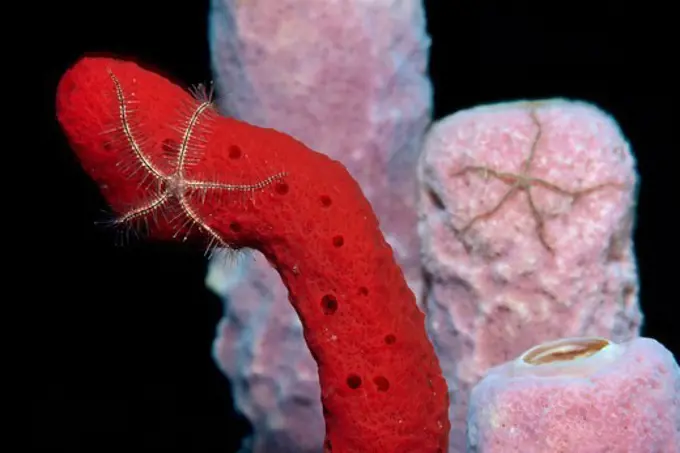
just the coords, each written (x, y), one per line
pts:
(585, 395)
(527, 212)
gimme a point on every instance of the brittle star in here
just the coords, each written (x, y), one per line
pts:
(174, 186)
(523, 182)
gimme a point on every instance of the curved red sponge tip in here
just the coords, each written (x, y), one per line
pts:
(92, 97)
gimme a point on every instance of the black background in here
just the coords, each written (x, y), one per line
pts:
(123, 335)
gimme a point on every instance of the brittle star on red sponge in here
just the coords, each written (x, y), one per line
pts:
(160, 155)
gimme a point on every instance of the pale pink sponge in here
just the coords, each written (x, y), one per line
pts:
(579, 395)
(347, 78)
(527, 211)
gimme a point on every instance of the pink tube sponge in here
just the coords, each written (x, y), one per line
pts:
(527, 214)
(585, 395)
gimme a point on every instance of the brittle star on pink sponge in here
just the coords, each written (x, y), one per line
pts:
(527, 214)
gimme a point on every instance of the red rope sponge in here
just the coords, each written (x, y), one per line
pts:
(167, 160)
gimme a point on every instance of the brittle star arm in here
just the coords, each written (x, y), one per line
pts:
(126, 129)
(540, 222)
(194, 219)
(145, 210)
(493, 210)
(186, 138)
(574, 193)
(234, 187)
(534, 144)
